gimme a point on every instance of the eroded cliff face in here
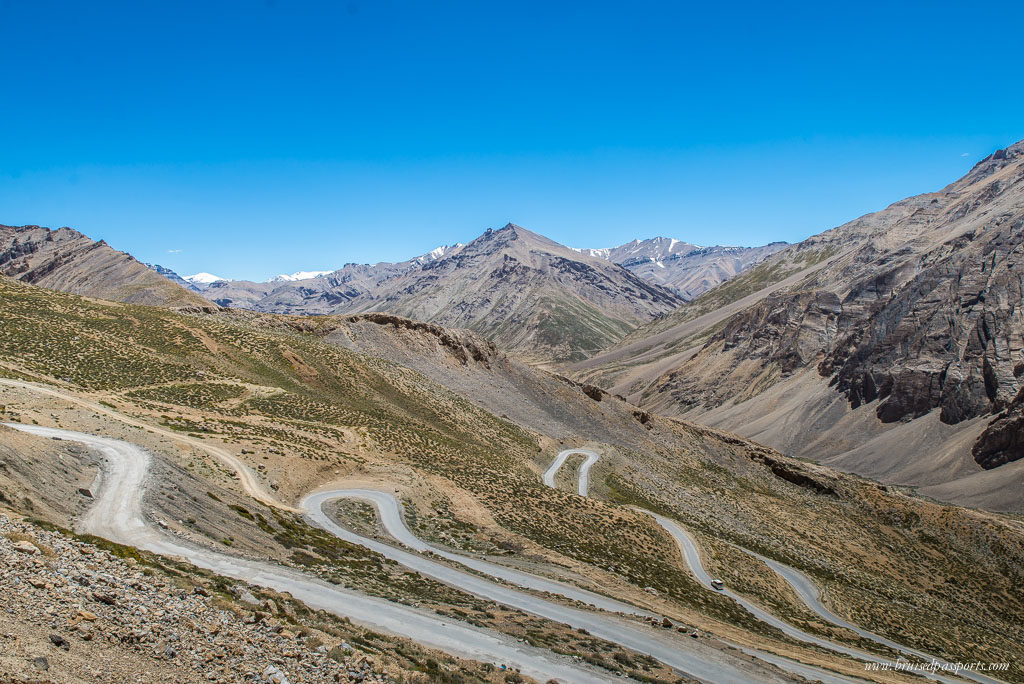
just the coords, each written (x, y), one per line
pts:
(948, 337)
(920, 310)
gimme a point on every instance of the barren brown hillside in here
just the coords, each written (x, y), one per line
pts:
(836, 347)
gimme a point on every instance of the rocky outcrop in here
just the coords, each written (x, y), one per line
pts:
(948, 337)
(795, 473)
(463, 345)
(79, 612)
(781, 334)
(788, 331)
(1003, 438)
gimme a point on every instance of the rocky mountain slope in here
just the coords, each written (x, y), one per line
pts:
(528, 294)
(68, 261)
(688, 270)
(845, 346)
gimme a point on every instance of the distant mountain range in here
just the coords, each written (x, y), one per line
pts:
(687, 269)
(529, 313)
(529, 294)
(532, 296)
(200, 281)
(299, 275)
(440, 291)
(525, 292)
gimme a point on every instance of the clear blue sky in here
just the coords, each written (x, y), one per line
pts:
(251, 138)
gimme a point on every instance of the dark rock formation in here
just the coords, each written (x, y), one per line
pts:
(793, 472)
(1003, 439)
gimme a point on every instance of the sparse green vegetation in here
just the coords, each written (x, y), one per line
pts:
(571, 327)
(888, 582)
(193, 395)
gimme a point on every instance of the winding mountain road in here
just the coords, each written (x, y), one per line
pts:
(389, 512)
(645, 641)
(583, 485)
(682, 654)
(249, 481)
(804, 587)
(809, 593)
(116, 514)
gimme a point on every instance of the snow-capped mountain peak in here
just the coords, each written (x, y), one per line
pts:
(601, 252)
(438, 252)
(203, 278)
(684, 267)
(298, 275)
